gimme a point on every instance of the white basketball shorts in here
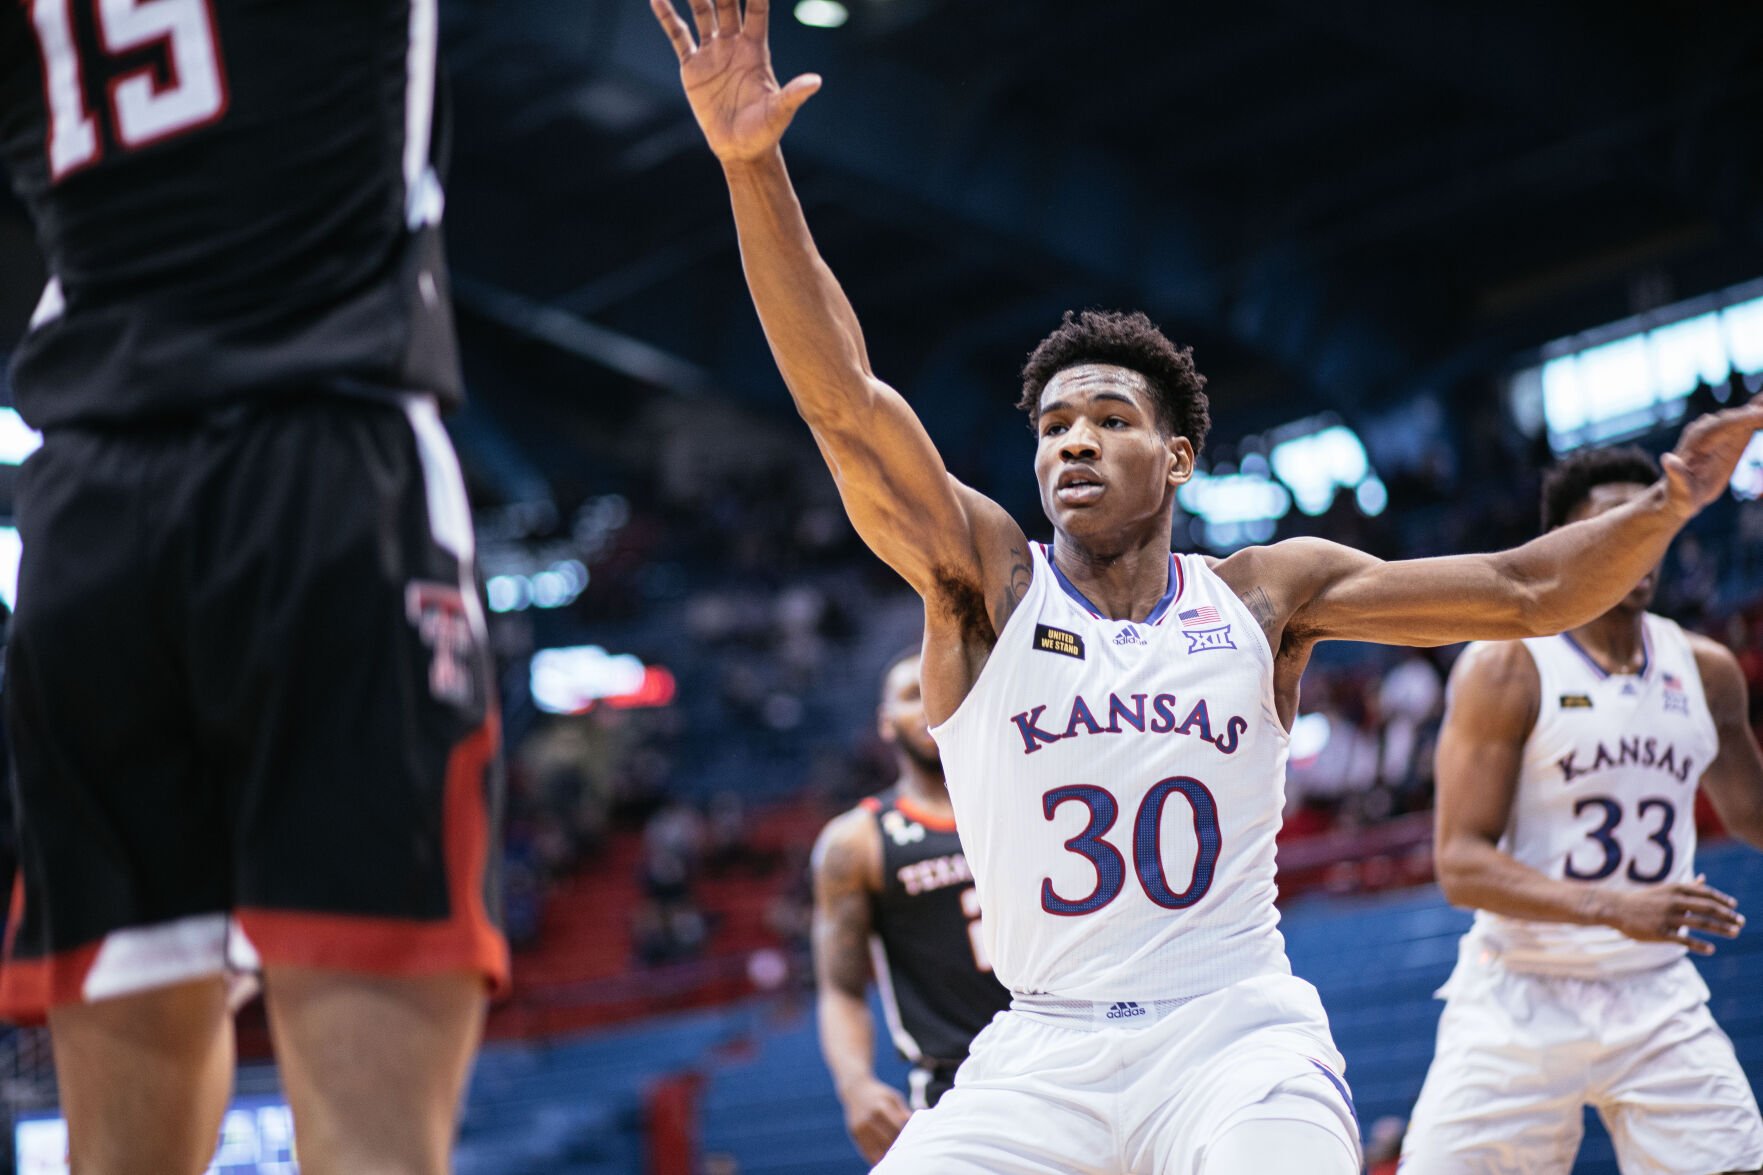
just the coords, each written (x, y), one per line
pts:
(1055, 1087)
(1519, 1055)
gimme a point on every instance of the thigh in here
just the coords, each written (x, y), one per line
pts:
(373, 1067)
(144, 1078)
(343, 667)
(997, 1130)
(1492, 1103)
(1682, 1103)
(124, 848)
(1296, 1134)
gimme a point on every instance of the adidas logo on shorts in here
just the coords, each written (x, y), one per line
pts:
(1124, 1010)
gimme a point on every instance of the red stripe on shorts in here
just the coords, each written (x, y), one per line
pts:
(30, 987)
(466, 941)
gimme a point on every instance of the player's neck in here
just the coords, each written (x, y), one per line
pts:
(1123, 584)
(1616, 640)
(925, 788)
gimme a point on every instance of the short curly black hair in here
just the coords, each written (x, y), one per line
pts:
(1572, 481)
(1124, 340)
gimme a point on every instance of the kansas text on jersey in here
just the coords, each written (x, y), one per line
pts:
(1118, 785)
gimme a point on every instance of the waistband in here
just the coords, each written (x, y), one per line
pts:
(1095, 1013)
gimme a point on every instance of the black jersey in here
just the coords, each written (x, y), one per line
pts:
(234, 198)
(937, 987)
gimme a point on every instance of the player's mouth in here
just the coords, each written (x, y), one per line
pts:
(1078, 487)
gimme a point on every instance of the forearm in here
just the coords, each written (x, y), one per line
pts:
(808, 321)
(1575, 573)
(1477, 875)
(847, 1038)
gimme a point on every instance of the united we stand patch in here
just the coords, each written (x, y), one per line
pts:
(1056, 640)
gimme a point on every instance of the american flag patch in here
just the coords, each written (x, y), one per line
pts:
(1672, 681)
(1204, 614)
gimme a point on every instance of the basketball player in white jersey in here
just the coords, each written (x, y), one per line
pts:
(1112, 717)
(1567, 776)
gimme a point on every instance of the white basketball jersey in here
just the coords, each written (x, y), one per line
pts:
(1118, 787)
(1606, 795)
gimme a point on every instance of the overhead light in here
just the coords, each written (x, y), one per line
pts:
(822, 14)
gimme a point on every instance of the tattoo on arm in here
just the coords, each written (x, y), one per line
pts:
(1020, 576)
(1261, 608)
(842, 921)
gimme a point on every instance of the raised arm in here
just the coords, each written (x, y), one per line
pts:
(1734, 780)
(945, 540)
(847, 870)
(1492, 707)
(1316, 590)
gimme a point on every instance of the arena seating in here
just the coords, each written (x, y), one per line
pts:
(576, 1107)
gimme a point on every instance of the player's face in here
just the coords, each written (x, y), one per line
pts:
(1103, 462)
(902, 715)
(1608, 497)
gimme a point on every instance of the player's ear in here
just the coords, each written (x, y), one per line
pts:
(1181, 460)
(882, 726)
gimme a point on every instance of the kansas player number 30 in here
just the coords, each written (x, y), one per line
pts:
(1147, 845)
(143, 110)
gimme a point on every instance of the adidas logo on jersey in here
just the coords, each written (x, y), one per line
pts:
(1129, 636)
(1124, 1011)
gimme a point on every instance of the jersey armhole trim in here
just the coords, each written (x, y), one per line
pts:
(1011, 625)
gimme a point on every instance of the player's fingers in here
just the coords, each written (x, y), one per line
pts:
(1697, 892)
(674, 27)
(1697, 946)
(728, 18)
(704, 18)
(1712, 911)
(800, 89)
(757, 19)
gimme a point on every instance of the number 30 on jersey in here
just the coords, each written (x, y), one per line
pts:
(1147, 845)
(144, 109)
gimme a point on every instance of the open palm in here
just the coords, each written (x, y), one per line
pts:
(1698, 469)
(728, 78)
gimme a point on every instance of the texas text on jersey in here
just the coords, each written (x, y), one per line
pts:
(220, 215)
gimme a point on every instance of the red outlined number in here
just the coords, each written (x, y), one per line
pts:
(147, 105)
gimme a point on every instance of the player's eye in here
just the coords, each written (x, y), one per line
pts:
(1052, 430)
(1114, 421)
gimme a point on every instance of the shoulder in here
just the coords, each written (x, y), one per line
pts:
(847, 853)
(1722, 678)
(1495, 685)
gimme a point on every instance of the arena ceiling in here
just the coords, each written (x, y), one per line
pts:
(1337, 204)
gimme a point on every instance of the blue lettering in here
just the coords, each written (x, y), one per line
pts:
(1135, 717)
(1628, 750)
(1164, 705)
(1198, 717)
(1033, 737)
(1668, 761)
(1080, 712)
(1651, 754)
(1227, 742)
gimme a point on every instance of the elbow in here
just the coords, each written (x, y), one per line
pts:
(1540, 605)
(1457, 874)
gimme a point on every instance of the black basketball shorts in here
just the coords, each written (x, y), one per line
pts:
(251, 706)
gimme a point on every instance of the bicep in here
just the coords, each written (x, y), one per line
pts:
(1734, 780)
(897, 492)
(841, 923)
(1438, 601)
(1489, 714)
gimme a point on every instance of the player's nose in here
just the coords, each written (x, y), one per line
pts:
(1080, 442)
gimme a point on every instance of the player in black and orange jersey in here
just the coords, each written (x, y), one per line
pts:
(247, 678)
(894, 900)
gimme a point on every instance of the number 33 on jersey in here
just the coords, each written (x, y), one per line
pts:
(1118, 786)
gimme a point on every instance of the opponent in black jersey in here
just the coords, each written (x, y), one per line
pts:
(234, 198)
(894, 899)
(247, 681)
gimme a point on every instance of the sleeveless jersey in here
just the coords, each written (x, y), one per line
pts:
(233, 197)
(1119, 785)
(937, 988)
(1606, 795)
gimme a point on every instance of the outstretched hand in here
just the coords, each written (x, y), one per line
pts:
(1707, 453)
(727, 75)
